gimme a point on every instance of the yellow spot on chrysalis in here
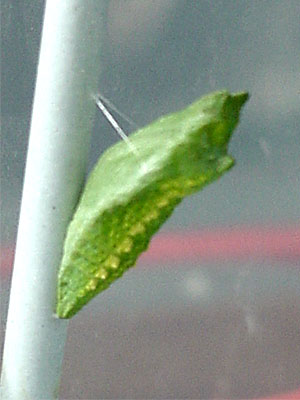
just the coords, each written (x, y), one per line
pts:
(191, 183)
(112, 261)
(125, 246)
(137, 228)
(175, 193)
(101, 274)
(173, 184)
(152, 215)
(163, 202)
(92, 284)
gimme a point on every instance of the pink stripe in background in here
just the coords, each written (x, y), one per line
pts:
(6, 260)
(241, 242)
(213, 244)
(285, 396)
(226, 243)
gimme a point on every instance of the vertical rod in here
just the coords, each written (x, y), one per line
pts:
(62, 120)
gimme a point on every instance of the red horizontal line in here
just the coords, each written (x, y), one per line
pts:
(226, 243)
(286, 396)
(211, 244)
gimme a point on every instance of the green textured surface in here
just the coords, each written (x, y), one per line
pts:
(130, 194)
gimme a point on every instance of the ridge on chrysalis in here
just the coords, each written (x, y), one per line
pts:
(129, 195)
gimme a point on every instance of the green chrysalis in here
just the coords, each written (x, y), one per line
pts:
(130, 194)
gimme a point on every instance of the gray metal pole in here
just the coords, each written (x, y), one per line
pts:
(62, 121)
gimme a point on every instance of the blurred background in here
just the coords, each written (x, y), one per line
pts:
(212, 309)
